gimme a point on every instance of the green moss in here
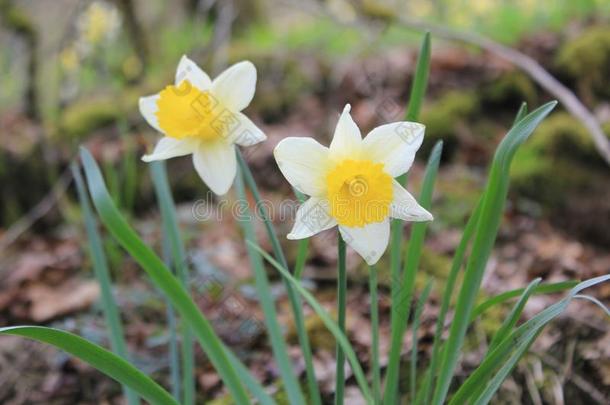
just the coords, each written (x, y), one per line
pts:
(510, 88)
(442, 117)
(319, 336)
(459, 193)
(80, 118)
(587, 58)
(16, 19)
(560, 169)
(287, 81)
(559, 138)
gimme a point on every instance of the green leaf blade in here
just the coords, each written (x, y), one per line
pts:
(162, 278)
(105, 361)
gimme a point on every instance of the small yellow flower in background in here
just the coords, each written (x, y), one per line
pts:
(100, 22)
(352, 184)
(202, 117)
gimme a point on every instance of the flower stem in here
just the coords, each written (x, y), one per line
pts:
(295, 301)
(375, 333)
(178, 257)
(341, 301)
(102, 273)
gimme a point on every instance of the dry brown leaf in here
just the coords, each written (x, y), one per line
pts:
(49, 302)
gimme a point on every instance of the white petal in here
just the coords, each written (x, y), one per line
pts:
(347, 140)
(370, 241)
(188, 70)
(235, 86)
(148, 109)
(394, 145)
(311, 218)
(216, 164)
(246, 132)
(405, 207)
(168, 148)
(304, 163)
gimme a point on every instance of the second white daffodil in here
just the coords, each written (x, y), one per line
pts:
(202, 117)
(352, 183)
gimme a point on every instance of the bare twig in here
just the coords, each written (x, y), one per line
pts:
(40, 210)
(519, 59)
(532, 68)
(576, 379)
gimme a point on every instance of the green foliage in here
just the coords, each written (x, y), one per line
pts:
(163, 279)
(587, 57)
(445, 115)
(487, 225)
(79, 119)
(107, 362)
(510, 88)
(559, 161)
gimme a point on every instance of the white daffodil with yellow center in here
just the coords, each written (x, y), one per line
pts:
(202, 117)
(352, 184)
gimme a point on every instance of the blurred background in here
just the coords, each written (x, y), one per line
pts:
(71, 75)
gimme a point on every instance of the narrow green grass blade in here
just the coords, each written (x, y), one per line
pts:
(162, 278)
(456, 265)
(507, 295)
(172, 327)
(484, 239)
(512, 318)
(278, 345)
(328, 322)
(595, 301)
(293, 298)
(402, 301)
(375, 334)
(420, 81)
(521, 113)
(103, 360)
(416, 98)
(414, 350)
(341, 302)
(177, 253)
(100, 268)
(509, 351)
(509, 322)
(257, 390)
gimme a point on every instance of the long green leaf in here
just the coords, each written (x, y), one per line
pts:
(278, 345)
(414, 347)
(293, 298)
(508, 295)
(509, 322)
(456, 265)
(100, 268)
(328, 322)
(172, 326)
(512, 318)
(401, 303)
(341, 312)
(176, 248)
(375, 334)
(418, 91)
(509, 351)
(162, 278)
(105, 361)
(521, 113)
(485, 235)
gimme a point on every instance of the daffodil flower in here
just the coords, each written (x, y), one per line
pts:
(202, 117)
(352, 183)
